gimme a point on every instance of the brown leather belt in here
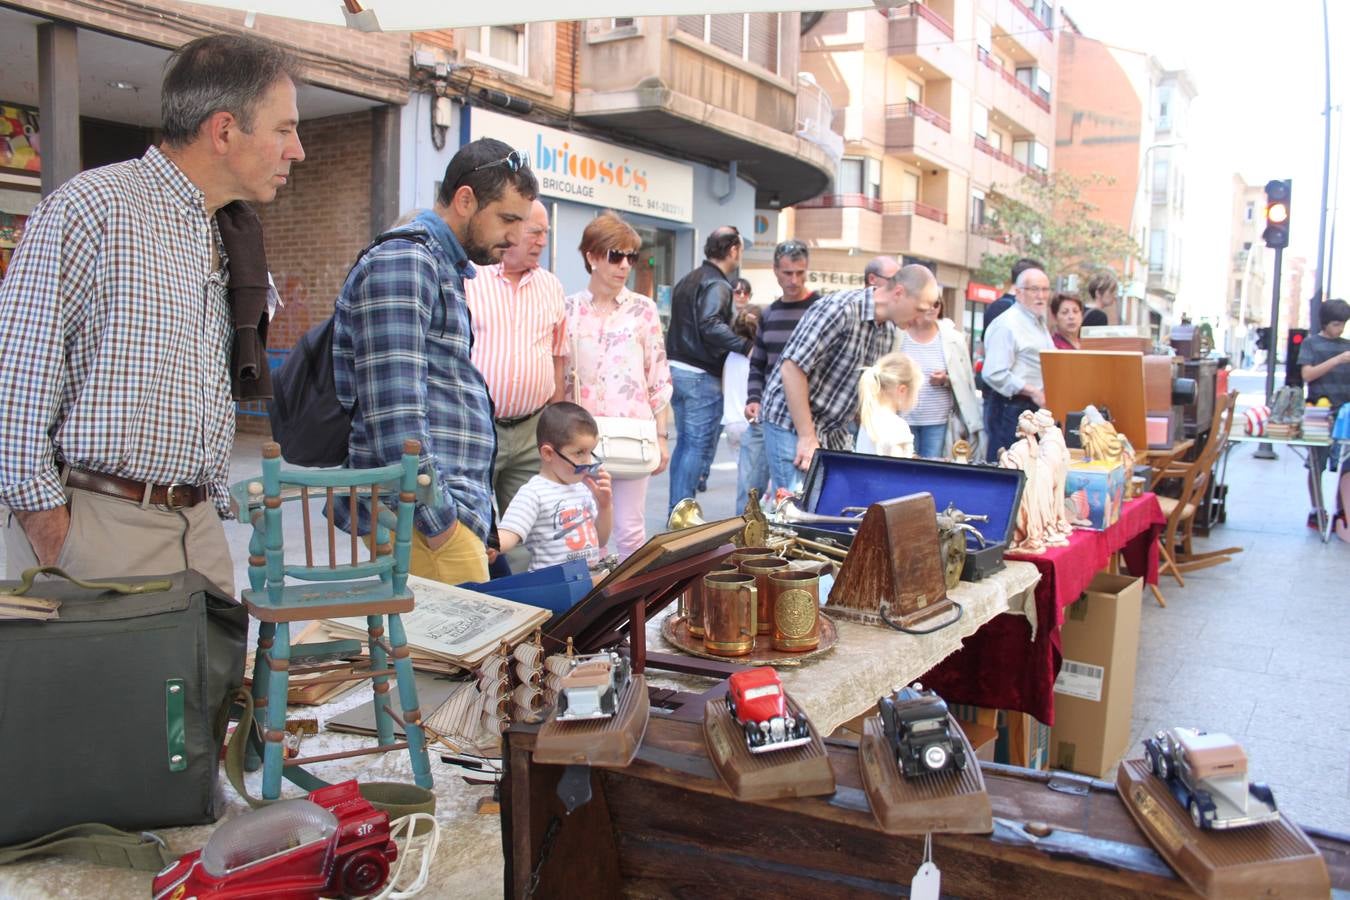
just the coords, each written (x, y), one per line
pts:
(174, 496)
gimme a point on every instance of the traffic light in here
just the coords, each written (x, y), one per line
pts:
(1293, 372)
(1263, 338)
(1277, 213)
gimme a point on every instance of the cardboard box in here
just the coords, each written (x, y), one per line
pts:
(1096, 489)
(1094, 694)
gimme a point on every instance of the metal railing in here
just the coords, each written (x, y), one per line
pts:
(1034, 19)
(915, 109)
(914, 208)
(1033, 95)
(920, 11)
(988, 149)
(842, 201)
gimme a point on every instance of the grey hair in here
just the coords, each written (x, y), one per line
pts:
(220, 72)
(913, 278)
(1022, 277)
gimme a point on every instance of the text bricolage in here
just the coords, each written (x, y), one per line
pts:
(563, 161)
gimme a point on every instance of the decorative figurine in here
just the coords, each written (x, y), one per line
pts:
(1207, 774)
(1034, 513)
(332, 844)
(916, 725)
(1054, 460)
(961, 451)
(757, 702)
(593, 686)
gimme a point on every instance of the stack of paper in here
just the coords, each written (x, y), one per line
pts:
(36, 608)
(453, 628)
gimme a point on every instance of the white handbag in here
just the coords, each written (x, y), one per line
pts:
(628, 447)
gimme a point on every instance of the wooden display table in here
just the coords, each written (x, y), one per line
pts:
(667, 827)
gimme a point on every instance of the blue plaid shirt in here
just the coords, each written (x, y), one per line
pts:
(401, 342)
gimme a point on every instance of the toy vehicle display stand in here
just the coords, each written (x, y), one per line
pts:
(611, 741)
(948, 802)
(675, 629)
(1275, 859)
(667, 826)
(801, 771)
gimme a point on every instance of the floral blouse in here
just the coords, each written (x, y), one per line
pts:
(618, 357)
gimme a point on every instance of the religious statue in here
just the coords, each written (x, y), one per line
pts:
(1033, 515)
(1054, 459)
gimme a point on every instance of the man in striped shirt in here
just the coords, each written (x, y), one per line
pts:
(791, 259)
(115, 331)
(520, 346)
(401, 339)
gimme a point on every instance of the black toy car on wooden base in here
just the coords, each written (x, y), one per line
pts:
(915, 722)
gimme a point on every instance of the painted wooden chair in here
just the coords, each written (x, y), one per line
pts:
(372, 582)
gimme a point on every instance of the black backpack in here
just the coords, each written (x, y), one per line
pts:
(308, 421)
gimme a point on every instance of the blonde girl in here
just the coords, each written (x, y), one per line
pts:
(888, 388)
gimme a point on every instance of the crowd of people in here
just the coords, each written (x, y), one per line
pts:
(449, 330)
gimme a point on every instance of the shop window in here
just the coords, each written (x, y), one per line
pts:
(500, 46)
(751, 37)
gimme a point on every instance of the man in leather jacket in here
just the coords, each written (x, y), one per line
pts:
(697, 343)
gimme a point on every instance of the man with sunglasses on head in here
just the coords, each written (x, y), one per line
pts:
(697, 343)
(401, 360)
(791, 259)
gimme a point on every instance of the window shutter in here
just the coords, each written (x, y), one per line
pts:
(763, 49)
(727, 32)
(690, 25)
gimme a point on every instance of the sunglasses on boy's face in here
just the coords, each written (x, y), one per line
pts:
(617, 256)
(590, 468)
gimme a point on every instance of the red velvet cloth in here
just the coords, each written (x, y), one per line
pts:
(998, 667)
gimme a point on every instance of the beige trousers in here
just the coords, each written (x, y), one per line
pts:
(517, 460)
(112, 538)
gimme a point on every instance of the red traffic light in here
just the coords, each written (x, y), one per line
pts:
(1296, 338)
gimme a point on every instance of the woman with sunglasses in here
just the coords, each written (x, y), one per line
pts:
(618, 363)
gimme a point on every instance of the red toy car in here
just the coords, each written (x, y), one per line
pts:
(333, 844)
(757, 701)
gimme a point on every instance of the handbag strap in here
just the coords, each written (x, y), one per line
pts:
(97, 843)
(396, 798)
(30, 575)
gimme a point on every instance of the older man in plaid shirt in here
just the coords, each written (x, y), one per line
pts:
(811, 399)
(401, 340)
(115, 331)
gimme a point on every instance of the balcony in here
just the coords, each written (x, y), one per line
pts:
(1011, 79)
(919, 133)
(922, 40)
(1046, 31)
(843, 201)
(840, 222)
(986, 237)
(1005, 171)
(908, 226)
(670, 89)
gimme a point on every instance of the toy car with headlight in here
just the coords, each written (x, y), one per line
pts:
(916, 723)
(756, 701)
(1207, 774)
(592, 687)
(332, 844)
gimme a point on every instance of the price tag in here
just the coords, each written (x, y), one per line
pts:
(927, 882)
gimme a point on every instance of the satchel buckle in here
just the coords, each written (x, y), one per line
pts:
(171, 495)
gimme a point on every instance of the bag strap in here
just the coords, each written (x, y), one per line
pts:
(29, 575)
(99, 844)
(394, 797)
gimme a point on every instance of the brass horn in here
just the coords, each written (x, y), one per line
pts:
(686, 514)
(793, 514)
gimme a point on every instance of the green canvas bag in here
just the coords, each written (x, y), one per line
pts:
(115, 712)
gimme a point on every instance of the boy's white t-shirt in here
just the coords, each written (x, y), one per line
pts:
(556, 522)
(893, 436)
(735, 388)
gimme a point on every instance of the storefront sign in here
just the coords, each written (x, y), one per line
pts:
(981, 293)
(573, 167)
(834, 281)
(765, 237)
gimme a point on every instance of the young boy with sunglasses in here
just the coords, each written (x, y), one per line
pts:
(566, 511)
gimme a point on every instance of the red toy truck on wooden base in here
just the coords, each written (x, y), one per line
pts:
(333, 844)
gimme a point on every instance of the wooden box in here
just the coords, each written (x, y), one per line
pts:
(837, 480)
(1075, 379)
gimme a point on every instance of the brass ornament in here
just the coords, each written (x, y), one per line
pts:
(795, 613)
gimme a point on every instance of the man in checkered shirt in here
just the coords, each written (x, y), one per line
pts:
(116, 332)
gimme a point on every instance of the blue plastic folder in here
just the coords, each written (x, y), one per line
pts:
(556, 588)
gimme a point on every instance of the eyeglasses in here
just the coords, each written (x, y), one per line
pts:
(617, 256)
(515, 161)
(744, 291)
(590, 468)
(1035, 290)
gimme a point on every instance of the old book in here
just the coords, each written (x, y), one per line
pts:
(36, 608)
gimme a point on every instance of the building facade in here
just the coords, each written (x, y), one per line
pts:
(1248, 290)
(939, 104)
(1166, 175)
(680, 123)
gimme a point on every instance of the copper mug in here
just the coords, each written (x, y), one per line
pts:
(692, 602)
(761, 567)
(729, 614)
(743, 553)
(795, 601)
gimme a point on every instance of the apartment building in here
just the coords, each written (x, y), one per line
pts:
(939, 104)
(681, 123)
(1248, 293)
(1166, 170)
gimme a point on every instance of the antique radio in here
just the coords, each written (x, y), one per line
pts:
(838, 481)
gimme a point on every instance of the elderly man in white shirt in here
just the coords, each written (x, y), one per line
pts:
(1012, 361)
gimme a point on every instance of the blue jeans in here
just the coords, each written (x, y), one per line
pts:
(780, 446)
(697, 403)
(1000, 421)
(929, 439)
(752, 469)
